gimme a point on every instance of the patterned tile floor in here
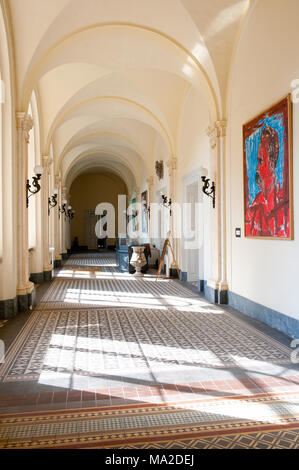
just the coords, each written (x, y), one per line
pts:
(100, 338)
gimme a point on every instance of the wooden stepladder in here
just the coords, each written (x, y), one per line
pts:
(166, 244)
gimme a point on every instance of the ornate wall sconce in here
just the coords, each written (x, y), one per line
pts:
(52, 201)
(70, 213)
(38, 170)
(62, 209)
(207, 189)
(166, 203)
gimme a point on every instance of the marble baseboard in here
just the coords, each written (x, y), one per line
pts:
(202, 284)
(215, 295)
(183, 276)
(8, 308)
(26, 301)
(272, 318)
(278, 321)
(173, 273)
(48, 275)
(57, 263)
(39, 278)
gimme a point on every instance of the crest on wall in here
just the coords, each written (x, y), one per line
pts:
(159, 166)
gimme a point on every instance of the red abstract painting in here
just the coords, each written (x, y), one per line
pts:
(267, 159)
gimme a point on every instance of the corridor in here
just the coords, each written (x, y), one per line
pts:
(108, 359)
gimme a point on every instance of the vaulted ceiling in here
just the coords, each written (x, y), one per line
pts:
(111, 77)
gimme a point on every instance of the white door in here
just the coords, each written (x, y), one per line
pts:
(90, 236)
(192, 255)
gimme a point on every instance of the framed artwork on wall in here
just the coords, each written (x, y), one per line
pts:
(144, 211)
(268, 173)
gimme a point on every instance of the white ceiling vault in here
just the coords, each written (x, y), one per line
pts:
(111, 77)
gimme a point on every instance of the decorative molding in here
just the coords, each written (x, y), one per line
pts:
(212, 133)
(172, 164)
(46, 162)
(57, 181)
(215, 131)
(221, 126)
(25, 124)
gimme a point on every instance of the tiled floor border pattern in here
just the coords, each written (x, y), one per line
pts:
(112, 426)
(159, 393)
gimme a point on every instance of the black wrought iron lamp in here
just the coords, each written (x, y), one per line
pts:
(70, 213)
(52, 201)
(38, 170)
(62, 209)
(209, 189)
(166, 202)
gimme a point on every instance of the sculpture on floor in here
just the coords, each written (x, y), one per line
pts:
(138, 260)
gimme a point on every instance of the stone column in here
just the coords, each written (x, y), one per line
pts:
(57, 255)
(172, 169)
(24, 286)
(217, 285)
(46, 161)
(138, 207)
(150, 183)
(63, 225)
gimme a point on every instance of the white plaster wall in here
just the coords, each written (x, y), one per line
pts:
(193, 153)
(8, 261)
(264, 271)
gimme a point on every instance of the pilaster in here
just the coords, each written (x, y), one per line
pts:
(24, 286)
(63, 223)
(150, 184)
(57, 255)
(172, 165)
(46, 162)
(217, 285)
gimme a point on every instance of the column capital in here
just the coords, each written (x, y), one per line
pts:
(221, 126)
(150, 182)
(212, 133)
(64, 192)
(172, 164)
(57, 181)
(24, 123)
(215, 131)
(46, 161)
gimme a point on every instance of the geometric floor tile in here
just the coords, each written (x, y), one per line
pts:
(271, 426)
(126, 340)
(106, 360)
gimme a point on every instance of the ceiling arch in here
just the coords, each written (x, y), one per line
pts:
(109, 161)
(119, 84)
(143, 115)
(64, 51)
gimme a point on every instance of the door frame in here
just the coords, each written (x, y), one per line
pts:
(188, 180)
